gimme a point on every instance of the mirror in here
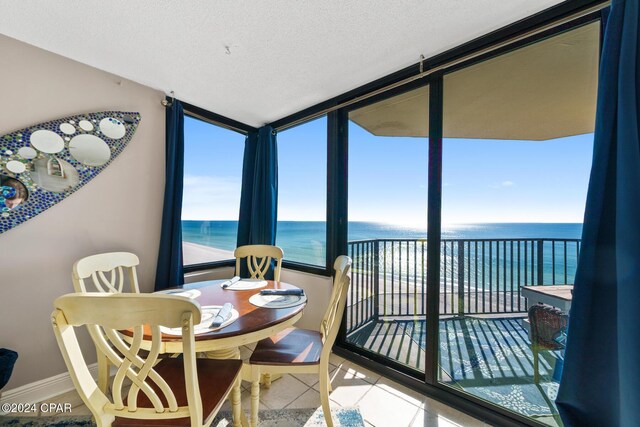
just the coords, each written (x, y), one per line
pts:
(47, 141)
(15, 166)
(12, 193)
(112, 128)
(42, 164)
(86, 125)
(54, 174)
(68, 128)
(27, 153)
(89, 150)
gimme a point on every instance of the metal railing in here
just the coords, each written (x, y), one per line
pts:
(477, 276)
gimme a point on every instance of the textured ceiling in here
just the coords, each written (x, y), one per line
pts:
(255, 61)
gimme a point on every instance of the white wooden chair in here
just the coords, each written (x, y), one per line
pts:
(259, 259)
(106, 272)
(303, 351)
(174, 391)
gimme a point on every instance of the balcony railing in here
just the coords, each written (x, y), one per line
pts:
(477, 276)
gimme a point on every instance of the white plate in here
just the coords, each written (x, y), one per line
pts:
(277, 301)
(209, 312)
(189, 293)
(247, 284)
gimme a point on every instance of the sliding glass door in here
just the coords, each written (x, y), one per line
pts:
(516, 159)
(387, 231)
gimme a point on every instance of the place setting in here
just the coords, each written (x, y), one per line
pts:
(189, 293)
(279, 298)
(238, 284)
(214, 318)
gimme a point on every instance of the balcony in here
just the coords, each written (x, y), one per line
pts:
(483, 336)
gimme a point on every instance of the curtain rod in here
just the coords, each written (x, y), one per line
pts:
(214, 122)
(464, 58)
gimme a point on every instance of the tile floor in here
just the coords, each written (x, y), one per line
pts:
(382, 402)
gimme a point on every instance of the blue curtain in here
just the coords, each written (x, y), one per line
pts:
(169, 270)
(259, 197)
(601, 378)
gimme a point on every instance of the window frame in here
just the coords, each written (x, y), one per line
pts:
(327, 269)
(217, 120)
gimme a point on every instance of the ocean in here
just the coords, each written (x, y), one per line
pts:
(304, 241)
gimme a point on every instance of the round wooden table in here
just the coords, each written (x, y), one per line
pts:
(254, 323)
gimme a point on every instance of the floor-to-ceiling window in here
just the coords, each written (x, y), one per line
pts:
(387, 230)
(211, 200)
(516, 159)
(517, 128)
(302, 192)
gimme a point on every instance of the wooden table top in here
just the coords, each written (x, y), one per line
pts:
(251, 318)
(563, 292)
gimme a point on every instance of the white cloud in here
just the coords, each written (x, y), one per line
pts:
(211, 198)
(503, 184)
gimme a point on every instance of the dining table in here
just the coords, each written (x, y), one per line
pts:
(252, 323)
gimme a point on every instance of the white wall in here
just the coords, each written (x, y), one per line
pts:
(120, 209)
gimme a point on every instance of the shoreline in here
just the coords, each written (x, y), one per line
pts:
(194, 253)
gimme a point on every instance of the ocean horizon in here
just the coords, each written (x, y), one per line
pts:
(305, 241)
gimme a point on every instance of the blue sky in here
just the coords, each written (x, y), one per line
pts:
(483, 180)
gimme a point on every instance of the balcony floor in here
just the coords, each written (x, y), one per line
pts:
(489, 357)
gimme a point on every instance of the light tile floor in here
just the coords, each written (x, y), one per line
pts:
(382, 402)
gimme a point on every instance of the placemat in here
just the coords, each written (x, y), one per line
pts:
(247, 284)
(189, 293)
(277, 301)
(208, 314)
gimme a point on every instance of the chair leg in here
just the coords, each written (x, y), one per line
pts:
(324, 394)
(236, 409)
(267, 380)
(255, 394)
(536, 375)
(103, 373)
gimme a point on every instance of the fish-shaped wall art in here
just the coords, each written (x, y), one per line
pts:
(43, 164)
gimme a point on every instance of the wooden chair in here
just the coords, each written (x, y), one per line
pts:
(174, 391)
(303, 351)
(547, 323)
(107, 272)
(259, 260)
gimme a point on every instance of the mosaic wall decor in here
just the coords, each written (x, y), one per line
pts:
(43, 164)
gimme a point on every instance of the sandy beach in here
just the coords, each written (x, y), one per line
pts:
(199, 254)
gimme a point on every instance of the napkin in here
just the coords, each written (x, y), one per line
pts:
(223, 315)
(230, 282)
(298, 292)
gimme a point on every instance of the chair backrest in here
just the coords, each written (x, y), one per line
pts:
(106, 272)
(259, 260)
(547, 323)
(333, 316)
(105, 315)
